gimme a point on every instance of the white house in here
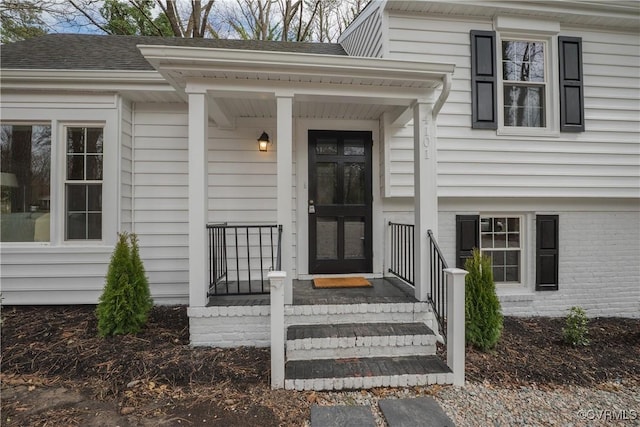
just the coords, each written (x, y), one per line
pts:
(528, 148)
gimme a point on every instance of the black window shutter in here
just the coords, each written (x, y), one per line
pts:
(546, 252)
(483, 80)
(467, 237)
(571, 91)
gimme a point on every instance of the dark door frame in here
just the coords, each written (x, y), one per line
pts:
(341, 211)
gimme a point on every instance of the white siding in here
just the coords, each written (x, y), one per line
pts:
(600, 162)
(241, 190)
(61, 272)
(365, 38)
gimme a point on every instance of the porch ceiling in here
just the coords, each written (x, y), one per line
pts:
(246, 83)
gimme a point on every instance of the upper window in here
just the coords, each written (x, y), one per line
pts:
(25, 176)
(515, 84)
(83, 184)
(523, 83)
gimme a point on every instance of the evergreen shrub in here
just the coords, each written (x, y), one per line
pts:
(125, 301)
(575, 331)
(483, 316)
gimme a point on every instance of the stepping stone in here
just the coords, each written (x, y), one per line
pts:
(342, 416)
(419, 411)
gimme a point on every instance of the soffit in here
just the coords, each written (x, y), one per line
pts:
(616, 15)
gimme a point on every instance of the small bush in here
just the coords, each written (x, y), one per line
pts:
(483, 316)
(125, 301)
(575, 332)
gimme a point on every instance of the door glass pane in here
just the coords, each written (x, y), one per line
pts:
(353, 147)
(326, 146)
(354, 184)
(354, 238)
(327, 188)
(327, 238)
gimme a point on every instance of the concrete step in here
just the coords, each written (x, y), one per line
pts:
(325, 314)
(307, 342)
(366, 372)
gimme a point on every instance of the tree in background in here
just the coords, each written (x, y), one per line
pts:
(286, 20)
(19, 20)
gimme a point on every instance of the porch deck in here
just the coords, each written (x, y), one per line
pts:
(384, 290)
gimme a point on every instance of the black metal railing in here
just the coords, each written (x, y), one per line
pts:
(402, 249)
(239, 257)
(438, 291)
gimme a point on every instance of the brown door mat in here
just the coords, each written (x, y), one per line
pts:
(341, 282)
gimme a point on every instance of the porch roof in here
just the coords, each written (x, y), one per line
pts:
(244, 83)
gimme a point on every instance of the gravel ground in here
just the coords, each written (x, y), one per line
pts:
(483, 404)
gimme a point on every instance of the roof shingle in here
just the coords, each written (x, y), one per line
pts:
(102, 52)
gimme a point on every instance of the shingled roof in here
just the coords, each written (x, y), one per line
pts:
(101, 52)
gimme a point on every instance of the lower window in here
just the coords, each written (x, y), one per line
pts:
(501, 239)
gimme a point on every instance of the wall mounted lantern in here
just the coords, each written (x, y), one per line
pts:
(263, 141)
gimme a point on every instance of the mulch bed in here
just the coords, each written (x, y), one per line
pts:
(157, 369)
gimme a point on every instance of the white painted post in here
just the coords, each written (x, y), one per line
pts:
(198, 199)
(277, 281)
(455, 323)
(425, 193)
(284, 156)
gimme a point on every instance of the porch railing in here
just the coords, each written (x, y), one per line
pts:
(402, 248)
(402, 266)
(437, 290)
(240, 256)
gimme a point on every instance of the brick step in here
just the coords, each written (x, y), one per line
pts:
(365, 373)
(359, 340)
(323, 314)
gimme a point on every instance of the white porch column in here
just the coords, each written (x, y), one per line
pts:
(425, 193)
(284, 157)
(198, 199)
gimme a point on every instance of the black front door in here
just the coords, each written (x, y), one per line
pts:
(339, 205)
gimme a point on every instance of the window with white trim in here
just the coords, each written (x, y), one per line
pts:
(501, 239)
(83, 183)
(25, 182)
(524, 85)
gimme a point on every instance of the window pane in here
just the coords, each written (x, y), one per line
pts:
(487, 240)
(485, 225)
(513, 224)
(354, 238)
(94, 198)
(94, 226)
(497, 257)
(514, 240)
(498, 274)
(76, 198)
(327, 185)
(512, 274)
(76, 226)
(75, 167)
(354, 184)
(353, 148)
(94, 167)
(327, 238)
(500, 240)
(94, 140)
(512, 258)
(326, 146)
(25, 173)
(499, 224)
(524, 106)
(523, 61)
(75, 140)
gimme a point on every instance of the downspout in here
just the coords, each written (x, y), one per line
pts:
(444, 94)
(133, 167)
